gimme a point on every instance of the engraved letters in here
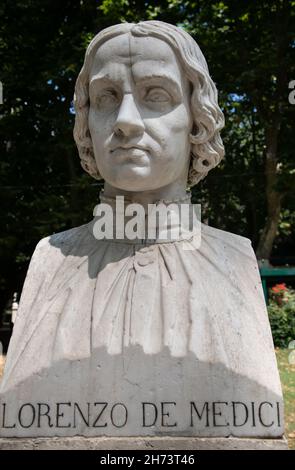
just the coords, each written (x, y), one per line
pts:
(162, 415)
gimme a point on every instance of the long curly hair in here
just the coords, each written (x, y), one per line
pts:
(206, 145)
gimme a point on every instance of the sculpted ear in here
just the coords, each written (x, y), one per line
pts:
(88, 162)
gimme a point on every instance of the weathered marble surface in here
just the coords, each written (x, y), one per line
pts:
(188, 352)
(142, 443)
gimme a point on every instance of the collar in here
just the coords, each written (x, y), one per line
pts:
(120, 220)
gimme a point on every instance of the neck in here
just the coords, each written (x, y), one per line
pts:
(173, 192)
(154, 224)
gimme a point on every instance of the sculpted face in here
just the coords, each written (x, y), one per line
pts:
(139, 116)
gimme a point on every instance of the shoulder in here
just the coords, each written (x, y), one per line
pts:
(227, 240)
(66, 240)
(49, 255)
(234, 256)
(234, 248)
(51, 251)
(225, 237)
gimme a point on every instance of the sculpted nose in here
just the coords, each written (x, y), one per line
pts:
(129, 120)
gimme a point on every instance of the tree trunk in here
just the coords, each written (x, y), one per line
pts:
(273, 116)
(273, 197)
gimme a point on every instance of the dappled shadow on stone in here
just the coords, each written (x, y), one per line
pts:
(137, 394)
(79, 245)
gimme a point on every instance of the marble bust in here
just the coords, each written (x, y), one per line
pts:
(142, 337)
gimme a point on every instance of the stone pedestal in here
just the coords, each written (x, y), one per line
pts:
(143, 443)
(136, 394)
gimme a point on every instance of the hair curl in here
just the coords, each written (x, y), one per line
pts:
(206, 145)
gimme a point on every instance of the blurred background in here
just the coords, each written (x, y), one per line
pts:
(250, 50)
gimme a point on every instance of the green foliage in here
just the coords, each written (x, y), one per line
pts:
(287, 375)
(281, 311)
(250, 50)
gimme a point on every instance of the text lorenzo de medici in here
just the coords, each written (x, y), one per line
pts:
(195, 415)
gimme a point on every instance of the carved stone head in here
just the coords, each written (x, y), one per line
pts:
(146, 108)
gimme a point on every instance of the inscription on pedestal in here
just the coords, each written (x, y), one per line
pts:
(163, 415)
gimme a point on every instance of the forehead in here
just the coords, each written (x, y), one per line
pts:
(144, 55)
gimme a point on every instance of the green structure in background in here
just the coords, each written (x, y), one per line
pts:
(280, 274)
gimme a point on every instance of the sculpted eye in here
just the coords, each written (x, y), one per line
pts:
(157, 95)
(107, 98)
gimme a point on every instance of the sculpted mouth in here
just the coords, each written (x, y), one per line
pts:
(129, 148)
(133, 154)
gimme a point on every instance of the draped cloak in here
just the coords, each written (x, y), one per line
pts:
(204, 302)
